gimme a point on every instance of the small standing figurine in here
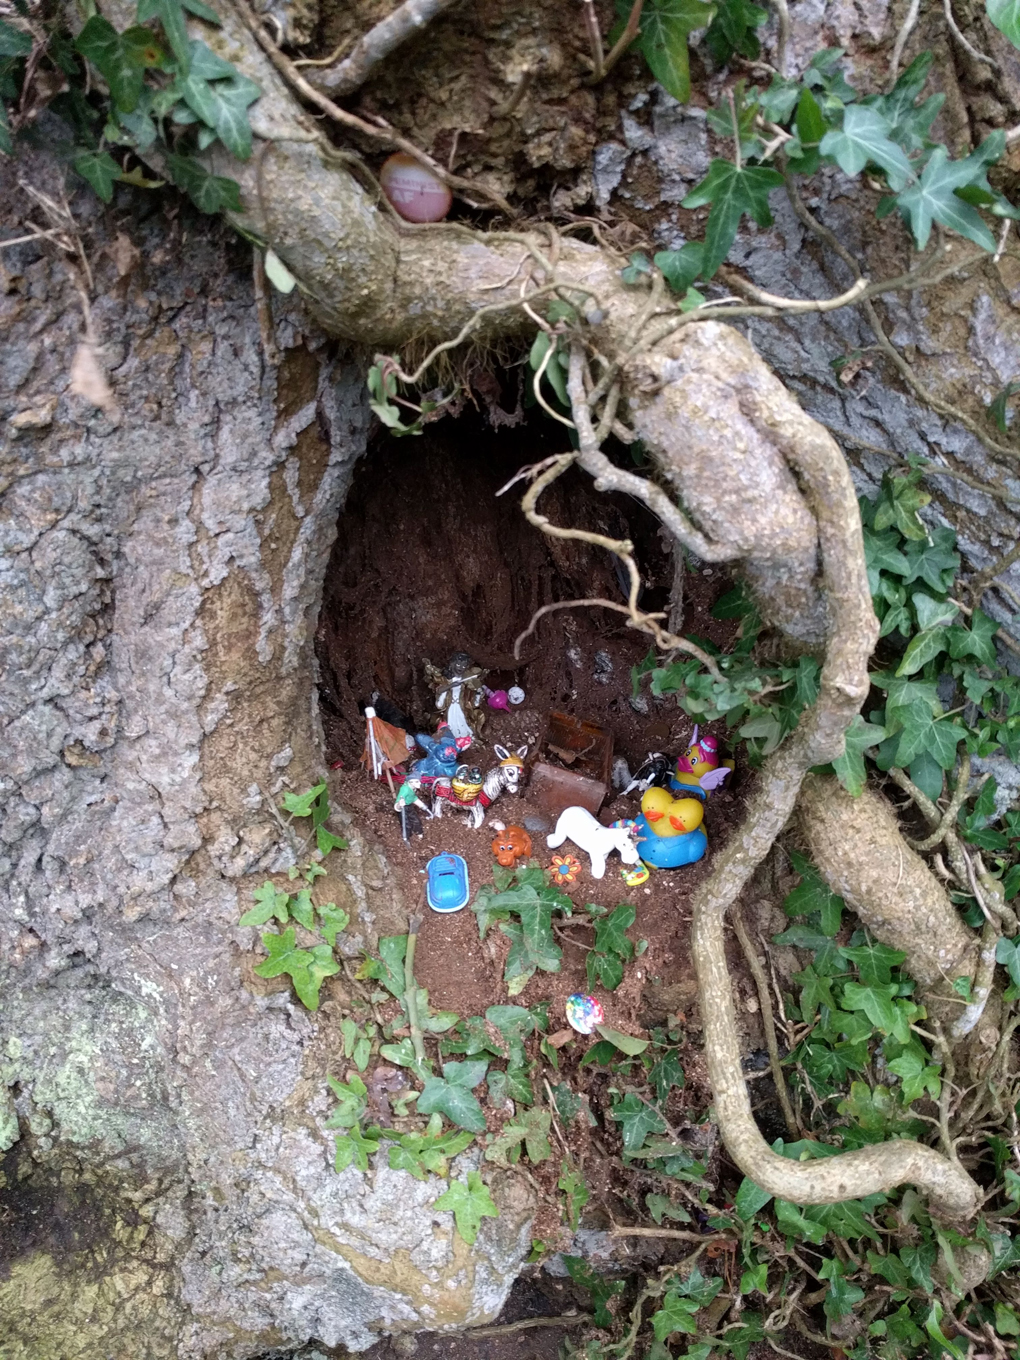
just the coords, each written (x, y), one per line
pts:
(698, 770)
(407, 799)
(460, 694)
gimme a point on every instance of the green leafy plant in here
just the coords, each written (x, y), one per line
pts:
(307, 968)
(469, 1201)
(147, 86)
(525, 894)
(792, 127)
(612, 949)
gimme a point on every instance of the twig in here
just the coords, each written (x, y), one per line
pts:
(598, 53)
(768, 1020)
(948, 819)
(783, 40)
(630, 32)
(410, 988)
(984, 579)
(967, 46)
(377, 44)
(549, 470)
(796, 306)
(565, 1320)
(930, 469)
(677, 1234)
(906, 28)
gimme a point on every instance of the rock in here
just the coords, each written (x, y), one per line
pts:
(535, 823)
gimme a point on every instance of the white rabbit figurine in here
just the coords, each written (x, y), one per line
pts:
(577, 824)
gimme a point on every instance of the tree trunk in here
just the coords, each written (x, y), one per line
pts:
(164, 570)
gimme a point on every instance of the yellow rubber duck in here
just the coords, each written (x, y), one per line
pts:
(669, 816)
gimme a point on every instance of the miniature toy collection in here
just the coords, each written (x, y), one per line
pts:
(572, 775)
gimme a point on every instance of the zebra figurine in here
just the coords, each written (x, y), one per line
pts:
(504, 776)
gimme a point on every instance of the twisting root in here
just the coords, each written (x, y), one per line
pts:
(544, 474)
(761, 982)
(819, 738)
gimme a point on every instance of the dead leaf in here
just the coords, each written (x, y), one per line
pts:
(124, 254)
(88, 379)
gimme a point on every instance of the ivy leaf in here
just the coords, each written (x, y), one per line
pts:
(812, 894)
(675, 1315)
(469, 1201)
(874, 961)
(354, 1146)
(681, 267)
(121, 58)
(660, 1207)
(6, 144)
(732, 192)
(451, 1095)
(170, 14)
(297, 804)
(631, 273)
(308, 982)
(666, 1074)
(997, 406)
(863, 139)
(1005, 15)
(933, 198)
(13, 42)
(352, 1101)
(284, 957)
(1007, 952)
(923, 647)
(530, 1129)
(843, 1297)
(626, 1043)
(732, 30)
(849, 767)
(209, 193)
(576, 1193)
(636, 1119)
(101, 171)
(810, 122)
(749, 1199)
(269, 902)
(665, 26)
(611, 931)
(220, 96)
(302, 910)
(332, 920)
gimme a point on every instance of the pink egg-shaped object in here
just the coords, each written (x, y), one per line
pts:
(416, 192)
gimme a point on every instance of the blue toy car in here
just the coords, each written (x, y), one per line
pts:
(447, 883)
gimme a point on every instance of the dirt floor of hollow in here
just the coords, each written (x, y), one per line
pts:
(430, 559)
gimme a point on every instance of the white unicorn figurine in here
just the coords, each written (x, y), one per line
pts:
(577, 824)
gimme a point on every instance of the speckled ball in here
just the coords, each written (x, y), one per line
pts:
(584, 1013)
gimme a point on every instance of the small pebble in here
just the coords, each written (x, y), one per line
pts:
(535, 824)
